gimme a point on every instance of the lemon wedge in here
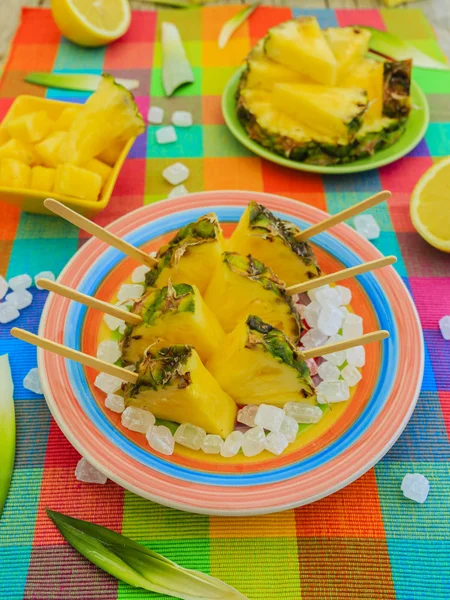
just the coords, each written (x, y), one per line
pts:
(92, 22)
(430, 205)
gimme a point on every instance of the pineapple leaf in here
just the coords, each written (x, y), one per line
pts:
(84, 83)
(176, 70)
(7, 429)
(232, 24)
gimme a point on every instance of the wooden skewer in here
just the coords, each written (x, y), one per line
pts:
(343, 215)
(89, 301)
(367, 338)
(80, 357)
(311, 284)
(99, 232)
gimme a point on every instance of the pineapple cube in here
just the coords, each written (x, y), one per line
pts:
(368, 75)
(349, 45)
(175, 314)
(77, 182)
(242, 286)
(18, 150)
(258, 364)
(300, 45)
(14, 173)
(42, 179)
(110, 154)
(271, 240)
(30, 128)
(99, 167)
(67, 117)
(173, 384)
(47, 150)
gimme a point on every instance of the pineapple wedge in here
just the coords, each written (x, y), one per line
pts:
(109, 113)
(110, 154)
(242, 286)
(335, 112)
(272, 241)
(80, 183)
(173, 384)
(47, 150)
(349, 45)
(42, 179)
(30, 128)
(191, 256)
(258, 364)
(368, 75)
(175, 314)
(300, 45)
(18, 150)
(67, 117)
(14, 173)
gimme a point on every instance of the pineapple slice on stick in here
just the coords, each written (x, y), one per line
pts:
(271, 240)
(175, 314)
(349, 45)
(173, 384)
(242, 285)
(191, 256)
(258, 364)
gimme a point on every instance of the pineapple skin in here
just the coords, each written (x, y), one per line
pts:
(175, 314)
(258, 364)
(174, 385)
(272, 241)
(243, 285)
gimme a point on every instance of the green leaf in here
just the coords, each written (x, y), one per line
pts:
(7, 429)
(84, 83)
(176, 70)
(391, 46)
(232, 24)
(139, 566)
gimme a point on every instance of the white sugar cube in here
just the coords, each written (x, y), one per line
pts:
(166, 135)
(415, 487)
(334, 391)
(137, 419)
(87, 473)
(345, 295)
(177, 191)
(336, 358)
(113, 322)
(130, 291)
(247, 414)
(269, 417)
(366, 226)
(43, 275)
(356, 356)
(138, 274)
(276, 442)
(311, 313)
(329, 320)
(313, 339)
(302, 412)
(444, 326)
(182, 118)
(176, 173)
(3, 287)
(160, 438)
(20, 299)
(351, 375)
(328, 372)
(20, 282)
(109, 351)
(32, 381)
(352, 326)
(108, 383)
(289, 428)
(115, 403)
(155, 115)
(190, 436)
(212, 444)
(312, 293)
(254, 441)
(325, 296)
(8, 312)
(232, 444)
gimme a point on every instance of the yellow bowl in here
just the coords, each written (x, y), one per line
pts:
(33, 200)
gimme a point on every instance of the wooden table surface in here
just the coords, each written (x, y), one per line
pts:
(437, 11)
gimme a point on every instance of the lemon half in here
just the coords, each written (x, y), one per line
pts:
(92, 22)
(430, 205)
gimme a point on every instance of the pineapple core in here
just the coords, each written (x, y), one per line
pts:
(173, 384)
(175, 314)
(258, 364)
(272, 241)
(242, 286)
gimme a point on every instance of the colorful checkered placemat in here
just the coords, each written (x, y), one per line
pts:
(364, 542)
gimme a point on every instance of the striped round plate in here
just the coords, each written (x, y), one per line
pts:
(350, 438)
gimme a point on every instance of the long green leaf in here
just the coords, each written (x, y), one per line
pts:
(236, 21)
(84, 83)
(7, 429)
(139, 566)
(391, 46)
(176, 70)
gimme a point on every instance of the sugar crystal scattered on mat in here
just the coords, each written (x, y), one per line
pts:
(415, 487)
(20, 282)
(115, 403)
(334, 391)
(138, 274)
(367, 226)
(3, 287)
(212, 444)
(247, 414)
(303, 412)
(32, 381)
(109, 351)
(276, 442)
(444, 326)
(107, 383)
(182, 118)
(8, 313)
(190, 436)
(232, 444)
(160, 438)
(20, 299)
(351, 375)
(269, 417)
(289, 428)
(87, 473)
(131, 291)
(254, 441)
(177, 191)
(328, 372)
(137, 419)
(176, 173)
(166, 135)
(155, 115)
(44, 275)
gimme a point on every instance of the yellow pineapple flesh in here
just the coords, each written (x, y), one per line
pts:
(31, 127)
(173, 384)
(175, 314)
(110, 154)
(14, 173)
(42, 178)
(368, 75)
(18, 150)
(66, 118)
(99, 167)
(47, 149)
(349, 45)
(80, 183)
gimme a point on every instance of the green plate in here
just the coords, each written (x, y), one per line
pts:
(415, 130)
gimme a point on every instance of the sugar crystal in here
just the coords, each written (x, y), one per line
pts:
(276, 442)
(212, 444)
(137, 419)
(254, 441)
(190, 436)
(115, 403)
(32, 381)
(247, 414)
(20, 282)
(155, 115)
(269, 417)
(44, 275)
(303, 412)
(415, 487)
(182, 118)
(232, 444)
(289, 428)
(166, 135)
(138, 274)
(109, 351)
(176, 173)
(160, 438)
(87, 473)
(8, 312)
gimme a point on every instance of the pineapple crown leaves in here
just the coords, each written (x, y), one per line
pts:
(163, 367)
(171, 298)
(125, 98)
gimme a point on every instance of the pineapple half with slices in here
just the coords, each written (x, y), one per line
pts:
(242, 286)
(258, 364)
(174, 314)
(191, 256)
(271, 240)
(174, 384)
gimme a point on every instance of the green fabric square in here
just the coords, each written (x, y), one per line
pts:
(215, 79)
(432, 82)
(75, 58)
(337, 201)
(190, 89)
(45, 227)
(189, 143)
(193, 53)
(156, 187)
(35, 255)
(438, 139)
(408, 24)
(218, 141)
